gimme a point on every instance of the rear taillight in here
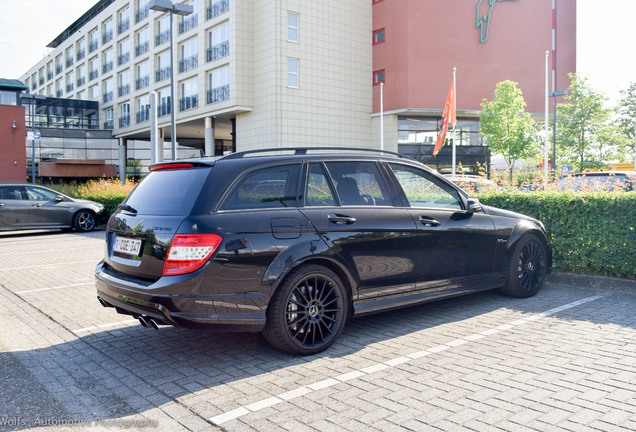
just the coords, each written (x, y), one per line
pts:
(188, 252)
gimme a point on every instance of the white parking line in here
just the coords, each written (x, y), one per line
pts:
(54, 288)
(303, 390)
(50, 265)
(50, 251)
(121, 324)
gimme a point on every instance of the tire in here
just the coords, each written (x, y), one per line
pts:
(307, 312)
(527, 267)
(85, 221)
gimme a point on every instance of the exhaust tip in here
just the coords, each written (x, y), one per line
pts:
(148, 322)
(142, 321)
(103, 302)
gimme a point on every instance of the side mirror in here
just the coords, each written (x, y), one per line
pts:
(59, 198)
(473, 205)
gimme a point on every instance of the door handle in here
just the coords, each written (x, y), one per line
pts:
(341, 219)
(429, 221)
(37, 205)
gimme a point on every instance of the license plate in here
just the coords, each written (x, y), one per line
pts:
(128, 246)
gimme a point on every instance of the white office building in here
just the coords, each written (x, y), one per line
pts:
(248, 73)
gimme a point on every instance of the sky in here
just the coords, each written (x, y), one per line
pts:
(605, 38)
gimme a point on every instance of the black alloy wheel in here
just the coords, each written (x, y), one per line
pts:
(527, 268)
(308, 311)
(84, 221)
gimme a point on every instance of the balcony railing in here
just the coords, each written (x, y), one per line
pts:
(123, 90)
(142, 48)
(41, 80)
(219, 50)
(142, 82)
(109, 124)
(81, 81)
(217, 8)
(219, 94)
(81, 54)
(58, 69)
(141, 14)
(108, 96)
(123, 59)
(107, 67)
(59, 93)
(93, 46)
(123, 26)
(34, 85)
(49, 75)
(188, 63)
(188, 102)
(188, 23)
(124, 121)
(162, 74)
(143, 115)
(164, 109)
(69, 88)
(108, 36)
(69, 62)
(93, 74)
(162, 37)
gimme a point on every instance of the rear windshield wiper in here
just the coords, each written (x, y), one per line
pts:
(127, 208)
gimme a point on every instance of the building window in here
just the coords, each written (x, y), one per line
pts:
(292, 27)
(108, 31)
(93, 92)
(124, 83)
(378, 77)
(93, 40)
(81, 49)
(163, 66)
(189, 94)
(109, 117)
(69, 56)
(41, 76)
(292, 73)
(142, 42)
(59, 66)
(124, 115)
(93, 67)
(142, 10)
(143, 75)
(219, 85)
(216, 8)
(164, 104)
(218, 42)
(163, 30)
(378, 36)
(49, 70)
(143, 109)
(107, 66)
(190, 21)
(124, 20)
(124, 52)
(81, 75)
(108, 90)
(70, 84)
(189, 57)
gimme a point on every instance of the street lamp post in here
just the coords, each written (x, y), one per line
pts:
(179, 9)
(32, 98)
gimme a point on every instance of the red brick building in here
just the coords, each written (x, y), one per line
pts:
(12, 133)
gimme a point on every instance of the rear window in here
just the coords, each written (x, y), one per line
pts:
(270, 187)
(168, 192)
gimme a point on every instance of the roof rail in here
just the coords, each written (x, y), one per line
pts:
(305, 150)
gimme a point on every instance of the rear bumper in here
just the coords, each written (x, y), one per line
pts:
(240, 312)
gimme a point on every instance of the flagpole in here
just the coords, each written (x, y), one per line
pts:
(382, 116)
(454, 104)
(547, 143)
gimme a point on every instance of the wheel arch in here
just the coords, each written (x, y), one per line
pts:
(522, 229)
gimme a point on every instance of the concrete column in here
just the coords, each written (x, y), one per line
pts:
(122, 160)
(233, 121)
(209, 136)
(154, 148)
(160, 139)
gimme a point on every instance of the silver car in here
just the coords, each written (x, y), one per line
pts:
(26, 206)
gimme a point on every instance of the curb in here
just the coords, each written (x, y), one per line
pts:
(588, 281)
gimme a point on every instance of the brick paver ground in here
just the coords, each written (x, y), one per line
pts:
(562, 360)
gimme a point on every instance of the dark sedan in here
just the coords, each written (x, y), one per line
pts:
(26, 206)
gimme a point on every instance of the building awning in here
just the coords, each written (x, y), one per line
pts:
(12, 84)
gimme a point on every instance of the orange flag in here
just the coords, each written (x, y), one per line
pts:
(449, 116)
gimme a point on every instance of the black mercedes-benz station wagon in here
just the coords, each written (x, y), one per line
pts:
(295, 242)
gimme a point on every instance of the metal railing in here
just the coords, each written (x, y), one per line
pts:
(107, 37)
(124, 121)
(217, 8)
(219, 50)
(123, 90)
(188, 102)
(162, 74)
(218, 94)
(142, 82)
(164, 109)
(162, 37)
(81, 81)
(188, 23)
(142, 48)
(141, 14)
(81, 54)
(123, 26)
(107, 67)
(143, 115)
(123, 59)
(109, 124)
(93, 74)
(188, 63)
(93, 46)
(108, 96)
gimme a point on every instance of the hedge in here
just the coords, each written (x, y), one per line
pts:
(591, 232)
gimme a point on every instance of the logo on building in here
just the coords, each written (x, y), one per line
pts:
(483, 17)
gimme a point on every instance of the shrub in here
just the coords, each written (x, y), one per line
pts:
(590, 232)
(109, 192)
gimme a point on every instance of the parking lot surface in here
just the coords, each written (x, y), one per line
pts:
(562, 360)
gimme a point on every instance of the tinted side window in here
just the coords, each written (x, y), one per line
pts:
(359, 183)
(10, 193)
(266, 188)
(319, 191)
(424, 190)
(37, 194)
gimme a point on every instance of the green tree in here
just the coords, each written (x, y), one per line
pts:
(508, 129)
(627, 116)
(587, 138)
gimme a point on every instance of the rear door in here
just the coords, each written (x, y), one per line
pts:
(351, 206)
(14, 208)
(455, 247)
